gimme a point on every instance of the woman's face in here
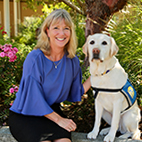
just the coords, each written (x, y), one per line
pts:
(59, 34)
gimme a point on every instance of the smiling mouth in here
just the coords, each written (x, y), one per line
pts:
(60, 39)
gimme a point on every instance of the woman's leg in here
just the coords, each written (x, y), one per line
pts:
(62, 140)
(45, 141)
(34, 129)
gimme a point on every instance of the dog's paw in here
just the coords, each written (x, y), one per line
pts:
(104, 131)
(126, 135)
(109, 138)
(92, 135)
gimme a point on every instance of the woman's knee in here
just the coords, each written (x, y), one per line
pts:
(63, 140)
(45, 141)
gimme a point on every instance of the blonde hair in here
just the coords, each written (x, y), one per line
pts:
(43, 40)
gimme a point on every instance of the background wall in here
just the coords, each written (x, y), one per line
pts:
(22, 12)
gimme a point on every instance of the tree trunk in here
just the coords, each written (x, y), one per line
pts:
(99, 13)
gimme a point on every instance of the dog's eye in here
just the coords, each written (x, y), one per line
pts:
(104, 43)
(92, 42)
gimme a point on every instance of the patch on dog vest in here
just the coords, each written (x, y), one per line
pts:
(129, 92)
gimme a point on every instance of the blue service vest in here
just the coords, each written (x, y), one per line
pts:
(130, 92)
(127, 90)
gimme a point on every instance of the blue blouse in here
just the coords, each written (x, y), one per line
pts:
(43, 85)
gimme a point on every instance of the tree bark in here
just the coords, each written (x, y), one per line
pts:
(99, 12)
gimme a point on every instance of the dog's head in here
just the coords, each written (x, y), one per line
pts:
(100, 47)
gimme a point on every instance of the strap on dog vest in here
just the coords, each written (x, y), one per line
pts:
(104, 90)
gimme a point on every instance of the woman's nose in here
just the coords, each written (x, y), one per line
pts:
(61, 32)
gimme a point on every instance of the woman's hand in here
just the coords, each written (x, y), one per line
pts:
(65, 123)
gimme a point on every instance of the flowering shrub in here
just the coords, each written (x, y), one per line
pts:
(8, 51)
(8, 102)
(7, 71)
(13, 89)
(7, 77)
(12, 56)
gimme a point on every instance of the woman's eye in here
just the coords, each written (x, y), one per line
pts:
(55, 27)
(67, 28)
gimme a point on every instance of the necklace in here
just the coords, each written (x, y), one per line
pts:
(55, 65)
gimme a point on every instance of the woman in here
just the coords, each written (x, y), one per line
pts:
(51, 75)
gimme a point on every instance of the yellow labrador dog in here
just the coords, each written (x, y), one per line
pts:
(115, 97)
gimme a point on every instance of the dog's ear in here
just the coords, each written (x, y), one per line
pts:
(114, 48)
(85, 46)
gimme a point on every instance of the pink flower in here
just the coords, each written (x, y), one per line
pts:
(2, 54)
(13, 58)
(11, 90)
(15, 49)
(9, 45)
(10, 54)
(4, 46)
(6, 54)
(16, 89)
(6, 49)
(11, 104)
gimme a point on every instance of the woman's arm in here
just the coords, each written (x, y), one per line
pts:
(87, 85)
(65, 123)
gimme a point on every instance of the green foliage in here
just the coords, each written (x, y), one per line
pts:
(80, 32)
(128, 36)
(10, 73)
(48, 8)
(28, 31)
(32, 4)
(127, 33)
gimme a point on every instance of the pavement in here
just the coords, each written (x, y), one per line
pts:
(81, 137)
(5, 136)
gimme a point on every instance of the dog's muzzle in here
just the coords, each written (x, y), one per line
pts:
(96, 53)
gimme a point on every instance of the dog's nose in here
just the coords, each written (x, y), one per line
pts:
(96, 51)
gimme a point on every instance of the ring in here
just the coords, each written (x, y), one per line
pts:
(70, 128)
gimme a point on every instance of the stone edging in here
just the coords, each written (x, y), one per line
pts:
(5, 136)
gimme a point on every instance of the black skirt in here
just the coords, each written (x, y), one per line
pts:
(25, 128)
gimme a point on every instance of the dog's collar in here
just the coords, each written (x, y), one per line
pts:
(105, 72)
